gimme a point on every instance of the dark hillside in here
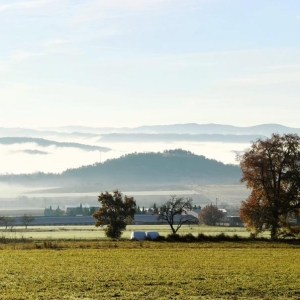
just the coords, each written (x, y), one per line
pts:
(169, 167)
(173, 167)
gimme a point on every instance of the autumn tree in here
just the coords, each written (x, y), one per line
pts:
(210, 215)
(271, 169)
(114, 212)
(175, 212)
(26, 219)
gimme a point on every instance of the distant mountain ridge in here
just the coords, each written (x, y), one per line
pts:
(181, 137)
(188, 128)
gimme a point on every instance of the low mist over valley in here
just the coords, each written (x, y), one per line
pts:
(57, 166)
(57, 149)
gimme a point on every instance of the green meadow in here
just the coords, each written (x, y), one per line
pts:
(98, 268)
(149, 270)
(92, 232)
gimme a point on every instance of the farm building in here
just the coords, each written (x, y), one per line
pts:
(89, 220)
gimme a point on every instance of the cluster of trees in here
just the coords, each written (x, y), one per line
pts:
(81, 210)
(151, 210)
(9, 222)
(144, 211)
(50, 212)
(74, 211)
(116, 212)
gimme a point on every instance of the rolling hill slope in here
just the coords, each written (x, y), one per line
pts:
(174, 167)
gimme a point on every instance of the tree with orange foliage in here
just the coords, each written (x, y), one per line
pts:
(271, 169)
(210, 215)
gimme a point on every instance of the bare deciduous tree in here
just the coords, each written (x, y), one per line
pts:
(175, 206)
(26, 219)
(8, 221)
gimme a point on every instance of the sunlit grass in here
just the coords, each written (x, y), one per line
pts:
(149, 270)
(91, 232)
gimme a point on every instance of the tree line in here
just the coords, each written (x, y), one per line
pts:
(116, 212)
(9, 222)
(70, 212)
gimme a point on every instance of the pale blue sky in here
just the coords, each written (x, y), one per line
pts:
(136, 62)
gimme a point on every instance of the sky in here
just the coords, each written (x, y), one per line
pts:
(148, 62)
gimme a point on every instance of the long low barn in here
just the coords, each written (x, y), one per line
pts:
(89, 220)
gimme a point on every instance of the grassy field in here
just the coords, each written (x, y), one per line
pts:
(91, 232)
(78, 262)
(149, 270)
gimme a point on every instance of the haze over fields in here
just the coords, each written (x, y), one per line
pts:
(31, 158)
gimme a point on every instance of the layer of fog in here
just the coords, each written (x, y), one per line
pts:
(30, 158)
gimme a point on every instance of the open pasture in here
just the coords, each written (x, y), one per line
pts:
(91, 232)
(149, 270)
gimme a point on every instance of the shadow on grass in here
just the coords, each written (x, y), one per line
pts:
(189, 238)
(13, 239)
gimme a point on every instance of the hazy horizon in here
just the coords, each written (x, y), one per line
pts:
(57, 151)
(124, 63)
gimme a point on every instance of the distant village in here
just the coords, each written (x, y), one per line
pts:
(84, 209)
(81, 214)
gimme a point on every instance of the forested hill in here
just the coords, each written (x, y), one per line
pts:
(169, 167)
(173, 166)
